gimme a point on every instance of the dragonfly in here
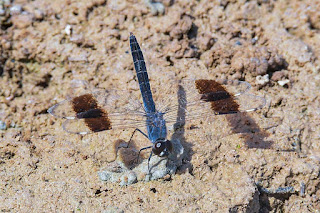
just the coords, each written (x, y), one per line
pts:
(89, 110)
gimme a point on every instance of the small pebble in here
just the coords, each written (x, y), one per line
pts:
(78, 39)
(3, 125)
(262, 80)
(38, 14)
(254, 40)
(238, 43)
(68, 29)
(302, 189)
(283, 82)
(2, 12)
(13, 125)
(16, 9)
(156, 7)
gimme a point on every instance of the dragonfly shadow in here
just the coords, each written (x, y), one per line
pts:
(225, 102)
(179, 131)
(128, 155)
(253, 135)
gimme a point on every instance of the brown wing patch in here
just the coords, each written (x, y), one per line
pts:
(86, 107)
(222, 102)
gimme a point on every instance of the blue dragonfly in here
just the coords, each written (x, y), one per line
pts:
(88, 110)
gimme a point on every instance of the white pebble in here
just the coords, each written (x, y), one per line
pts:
(68, 29)
(2, 12)
(262, 80)
(16, 9)
(283, 82)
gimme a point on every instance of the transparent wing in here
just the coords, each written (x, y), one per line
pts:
(193, 99)
(88, 110)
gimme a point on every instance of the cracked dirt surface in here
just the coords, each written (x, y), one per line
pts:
(233, 163)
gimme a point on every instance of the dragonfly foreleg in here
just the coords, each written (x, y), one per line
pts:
(149, 163)
(148, 147)
(144, 134)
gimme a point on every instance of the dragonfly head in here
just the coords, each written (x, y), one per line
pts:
(162, 147)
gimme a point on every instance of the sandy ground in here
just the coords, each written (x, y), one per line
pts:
(263, 161)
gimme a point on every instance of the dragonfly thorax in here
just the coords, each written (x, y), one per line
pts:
(156, 126)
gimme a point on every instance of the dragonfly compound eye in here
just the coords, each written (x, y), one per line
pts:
(162, 148)
(158, 147)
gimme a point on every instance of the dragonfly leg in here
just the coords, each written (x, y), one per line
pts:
(134, 133)
(148, 147)
(149, 163)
